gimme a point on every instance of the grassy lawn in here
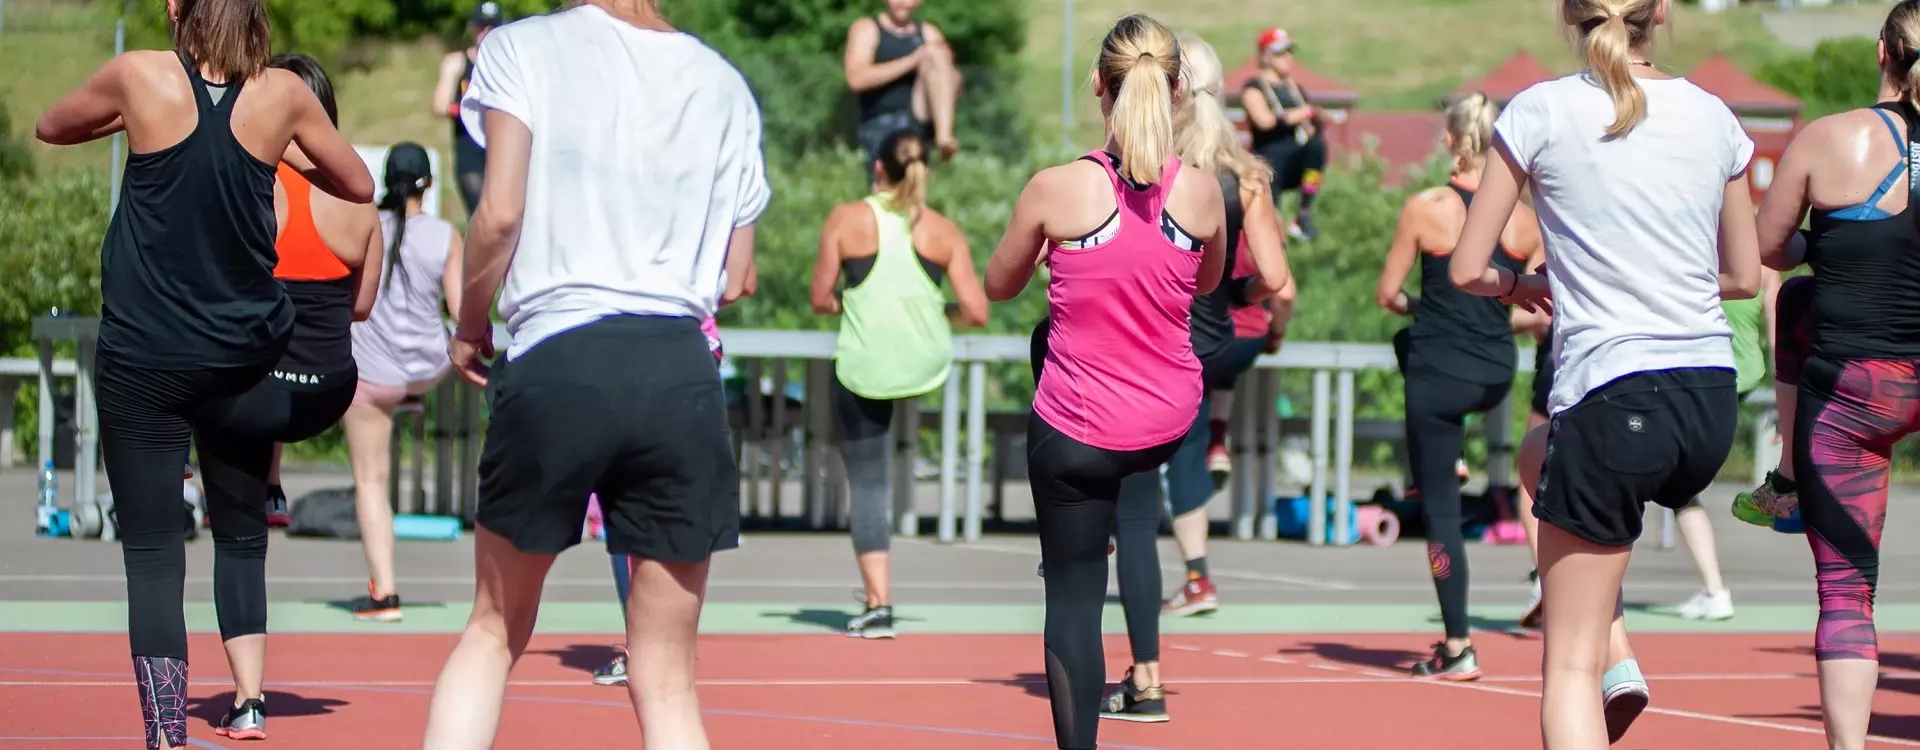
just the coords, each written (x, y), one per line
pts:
(1398, 54)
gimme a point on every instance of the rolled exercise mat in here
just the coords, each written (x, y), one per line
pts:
(1378, 525)
(426, 528)
(1291, 513)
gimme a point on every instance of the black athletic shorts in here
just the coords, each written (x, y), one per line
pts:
(1542, 376)
(288, 407)
(628, 407)
(1658, 437)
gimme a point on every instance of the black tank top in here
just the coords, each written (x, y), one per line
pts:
(1463, 335)
(460, 135)
(186, 270)
(1866, 275)
(898, 95)
(1212, 315)
(1282, 137)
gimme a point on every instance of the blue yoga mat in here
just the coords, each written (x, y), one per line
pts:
(427, 528)
(1292, 514)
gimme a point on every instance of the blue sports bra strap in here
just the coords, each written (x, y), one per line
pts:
(1898, 139)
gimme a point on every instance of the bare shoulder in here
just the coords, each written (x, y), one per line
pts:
(936, 222)
(864, 25)
(931, 32)
(1842, 127)
(846, 213)
(456, 58)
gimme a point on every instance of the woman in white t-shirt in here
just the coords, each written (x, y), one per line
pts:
(1639, 178)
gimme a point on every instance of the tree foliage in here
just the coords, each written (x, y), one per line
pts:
(1838, 75)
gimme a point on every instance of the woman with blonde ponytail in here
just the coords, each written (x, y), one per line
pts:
(1130, 237)
(1640, 181)
(1856, 383)
(1457, 358)
(895, 341)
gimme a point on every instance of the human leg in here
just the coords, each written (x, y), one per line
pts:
(1075, 493)
(234, 468)
(1436, 411)
(1582, 583)
(864, 427)
(1137, 557)
(1777, 497)
(1713, 602)
(464, 713)
(1189, 488)
(369, 429)
(936, 92)
(1312, 166)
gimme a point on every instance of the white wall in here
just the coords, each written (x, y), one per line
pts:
(376, 160)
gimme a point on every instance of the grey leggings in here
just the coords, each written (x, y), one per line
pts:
(863, 432)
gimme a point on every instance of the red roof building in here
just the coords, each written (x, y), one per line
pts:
(1403, 140)
(1505, 82)
(1771, 117)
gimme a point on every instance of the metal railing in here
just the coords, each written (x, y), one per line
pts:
(778, 421)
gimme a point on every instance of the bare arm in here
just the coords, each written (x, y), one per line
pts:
(740, 277)
(1739, 249)
(1391, 294)
(1213, 252)
(1769, 310)
(1266, 244)
(826, 267)
(88, 113)
(1259, 110)
(451, 273)
(494, 231)
(446, 91)
(337, 168)
(1018, 254)
(971, 299)
(366, 274)
(1471, 267)
(863, 74)
(1782, 208)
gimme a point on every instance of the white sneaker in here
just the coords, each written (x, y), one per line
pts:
(1531, 617)
(1705, 606)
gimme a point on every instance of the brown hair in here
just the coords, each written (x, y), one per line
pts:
(231, 38)
(1140, 65)
(1901, 36)
(1470, 123)
(1609, 32)
(903, 160)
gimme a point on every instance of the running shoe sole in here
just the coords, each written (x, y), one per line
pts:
(1194, 608)
(385, 615)
(610, 680)
(241, 734)
(1745, 510)
(873, 634)
(1623, 707)
(1138, 718)
(1452, 676)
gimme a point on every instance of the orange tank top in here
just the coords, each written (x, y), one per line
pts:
(303, 255)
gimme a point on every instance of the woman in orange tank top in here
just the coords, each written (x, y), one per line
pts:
(323, 246)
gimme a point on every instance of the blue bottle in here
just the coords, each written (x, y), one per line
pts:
(49, 506)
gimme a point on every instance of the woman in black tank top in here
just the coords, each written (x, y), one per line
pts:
(456, 69)
(1859, 386)
(1458, 358)
(191, 312)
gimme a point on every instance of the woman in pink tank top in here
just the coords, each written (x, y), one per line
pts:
(1130, 239)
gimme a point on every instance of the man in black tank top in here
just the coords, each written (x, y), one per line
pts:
(903, 77)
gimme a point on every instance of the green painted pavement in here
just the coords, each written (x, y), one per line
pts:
(958, 619)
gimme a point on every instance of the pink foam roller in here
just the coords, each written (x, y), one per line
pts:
(1378, 525)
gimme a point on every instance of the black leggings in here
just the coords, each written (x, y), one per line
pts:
(283, 408)
(1076, 489)
(148, 418)
(1298, 166)
(864, 426)
(1437, 407)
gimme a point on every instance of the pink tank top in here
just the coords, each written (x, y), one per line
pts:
(1120, 372)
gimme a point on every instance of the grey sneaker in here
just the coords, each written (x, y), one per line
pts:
(1460, 667)
(615, 672)
(875, 623)
(1626, 694)
(248, 721)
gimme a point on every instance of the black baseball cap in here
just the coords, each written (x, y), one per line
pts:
(408, 167)
(487, 14)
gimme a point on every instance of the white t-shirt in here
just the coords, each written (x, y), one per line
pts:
(1632, 226)
(646, 157)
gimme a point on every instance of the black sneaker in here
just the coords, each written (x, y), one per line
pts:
(875, 623)
(1136, 704)
(248, 721)
(1303, 228)
(377, 609)
(1461, 667)
(615, 672)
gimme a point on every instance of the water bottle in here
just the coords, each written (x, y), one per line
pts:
(49, 506)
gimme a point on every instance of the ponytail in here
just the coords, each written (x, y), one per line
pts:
(1610, 30)
(903, 162)
(1901, 36)
(408, 173)
(1139, 64)
(1470, 124)
(395, 202)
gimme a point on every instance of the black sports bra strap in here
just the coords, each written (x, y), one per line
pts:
(1466, 196)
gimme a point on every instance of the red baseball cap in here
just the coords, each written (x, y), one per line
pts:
(1275, 41)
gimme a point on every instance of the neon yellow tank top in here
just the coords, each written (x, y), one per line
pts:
(1749, 324)
(895, 340)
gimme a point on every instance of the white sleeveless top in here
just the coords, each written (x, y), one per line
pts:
(405, 340)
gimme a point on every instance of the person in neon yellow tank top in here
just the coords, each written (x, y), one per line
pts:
(895, 337)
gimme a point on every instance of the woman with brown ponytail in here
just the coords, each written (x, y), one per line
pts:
(1640, 181)
(1859, 393)
(1459, 360)
(1131, 237)
(896, 338)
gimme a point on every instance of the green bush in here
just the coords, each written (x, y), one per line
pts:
(1838, 75)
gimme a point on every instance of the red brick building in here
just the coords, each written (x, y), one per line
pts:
(1770, 116)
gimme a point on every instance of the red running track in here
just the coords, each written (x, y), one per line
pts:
(932, 692)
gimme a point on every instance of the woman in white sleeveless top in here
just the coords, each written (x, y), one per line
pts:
(401, 351)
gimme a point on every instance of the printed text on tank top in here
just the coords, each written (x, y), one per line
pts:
(187, 262)
(1463, 335)
(320, 352)
(1120, 373)
(1866, 264)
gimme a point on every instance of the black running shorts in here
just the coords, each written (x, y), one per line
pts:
(1658, 437)
(628, 407)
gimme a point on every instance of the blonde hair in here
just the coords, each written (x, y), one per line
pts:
(1901, 36)
(1203, 136)
(1470, 124)
(1139, 63)
(903, 162)
(1609, 32)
